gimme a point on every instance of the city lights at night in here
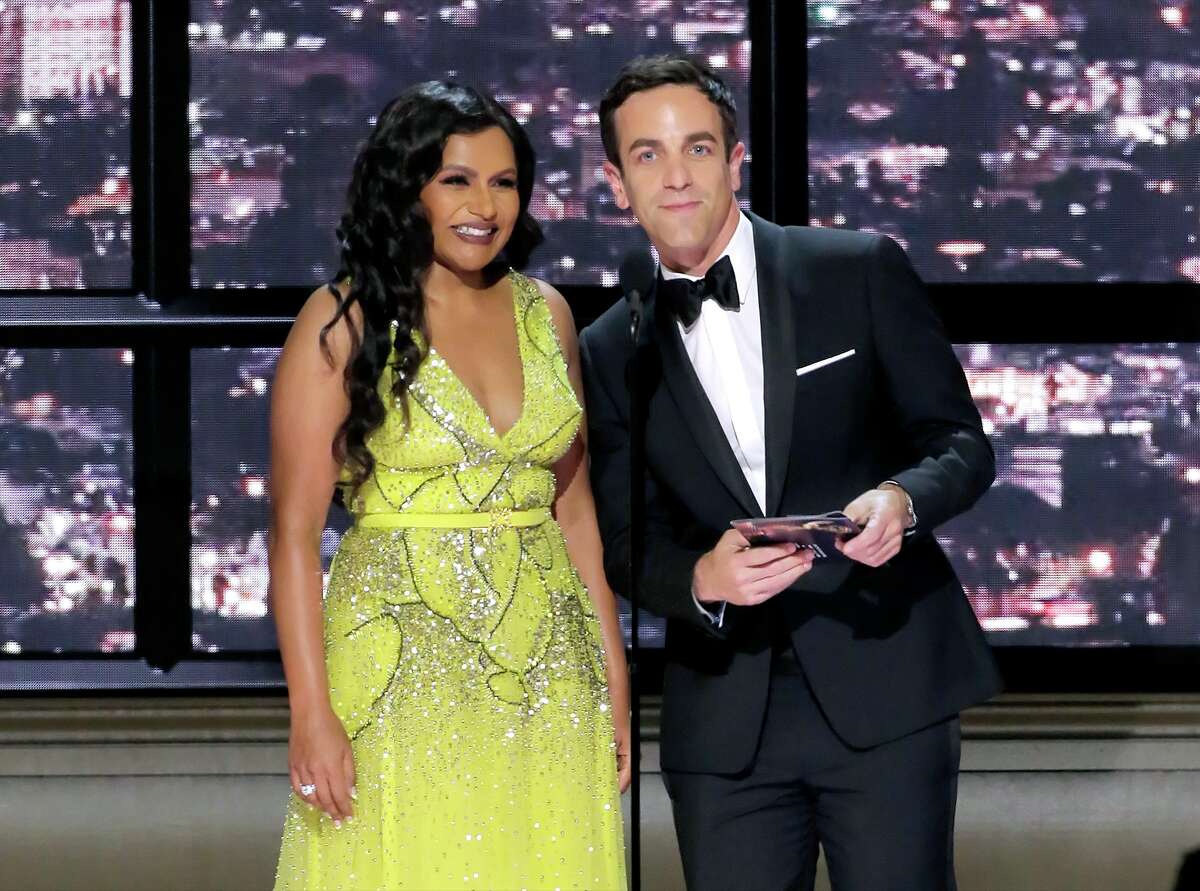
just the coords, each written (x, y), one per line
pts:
(283, 95)
(1062, 138)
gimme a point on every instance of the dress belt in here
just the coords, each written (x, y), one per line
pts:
(496, 519)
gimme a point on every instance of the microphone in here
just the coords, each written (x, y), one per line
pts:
(636, 276)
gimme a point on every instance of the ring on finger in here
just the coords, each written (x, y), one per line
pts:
(308, 789)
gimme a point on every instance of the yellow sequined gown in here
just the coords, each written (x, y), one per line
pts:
(464, 655)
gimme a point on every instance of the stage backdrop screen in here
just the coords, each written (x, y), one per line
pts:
(1091, 533)
(65, 86)
(283, 94)
(231, 398)
(1011, 140)
(1089, 537)
(66, 501)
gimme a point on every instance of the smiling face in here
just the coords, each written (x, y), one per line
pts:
(472, 202)
(674, 173)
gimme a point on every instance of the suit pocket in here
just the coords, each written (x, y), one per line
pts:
(824, 363)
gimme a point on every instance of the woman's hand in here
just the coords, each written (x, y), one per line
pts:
(624, 741)
(319, 754)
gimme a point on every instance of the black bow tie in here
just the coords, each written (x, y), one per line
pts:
(685, 297)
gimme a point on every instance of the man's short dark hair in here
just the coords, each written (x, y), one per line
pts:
(649, 72)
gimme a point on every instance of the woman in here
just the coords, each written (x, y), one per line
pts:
(459, 699)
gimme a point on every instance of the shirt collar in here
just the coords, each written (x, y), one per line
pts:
(740, 251)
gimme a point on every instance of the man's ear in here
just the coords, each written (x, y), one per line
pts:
(613, 175)
(735, 165)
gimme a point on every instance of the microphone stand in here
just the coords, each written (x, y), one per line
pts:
(637, 530)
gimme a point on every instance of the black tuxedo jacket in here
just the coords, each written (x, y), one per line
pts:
(887, 650)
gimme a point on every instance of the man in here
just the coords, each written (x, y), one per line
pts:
(802, 701)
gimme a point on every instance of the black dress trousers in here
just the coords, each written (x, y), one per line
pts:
(884, 815)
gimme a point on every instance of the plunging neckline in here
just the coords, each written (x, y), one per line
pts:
(433, 351)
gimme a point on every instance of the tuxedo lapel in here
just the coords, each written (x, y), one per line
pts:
(779, 355)
(702, 423)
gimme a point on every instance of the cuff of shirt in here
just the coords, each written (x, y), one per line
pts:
(716, 617)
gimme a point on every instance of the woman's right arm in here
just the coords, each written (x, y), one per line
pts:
(308, 405)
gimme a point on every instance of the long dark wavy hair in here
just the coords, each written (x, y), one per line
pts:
(387, 245)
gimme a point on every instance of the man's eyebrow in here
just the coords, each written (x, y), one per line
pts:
(645, 143)
(690, 139)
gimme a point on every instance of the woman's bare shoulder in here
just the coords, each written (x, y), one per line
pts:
(560, 310)
(319, 309)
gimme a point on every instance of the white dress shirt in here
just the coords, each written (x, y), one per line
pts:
(725, 349)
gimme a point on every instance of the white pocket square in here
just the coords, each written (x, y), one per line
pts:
(805, 369)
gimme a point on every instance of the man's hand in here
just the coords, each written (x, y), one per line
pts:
(735, 572)
(883, 514)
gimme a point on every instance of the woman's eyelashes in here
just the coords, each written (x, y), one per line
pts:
(457, 179)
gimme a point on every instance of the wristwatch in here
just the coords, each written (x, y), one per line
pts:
(912, 511)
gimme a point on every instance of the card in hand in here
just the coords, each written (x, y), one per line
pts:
(807, 531)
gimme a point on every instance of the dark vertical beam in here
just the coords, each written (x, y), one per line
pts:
(760, 122)
(162, 614)
(162, 379)
(788, 111)
(167, 91)
(146, 620)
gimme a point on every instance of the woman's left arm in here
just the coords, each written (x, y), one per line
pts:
(576, 515)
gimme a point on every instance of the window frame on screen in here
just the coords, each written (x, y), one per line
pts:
(162, 318)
